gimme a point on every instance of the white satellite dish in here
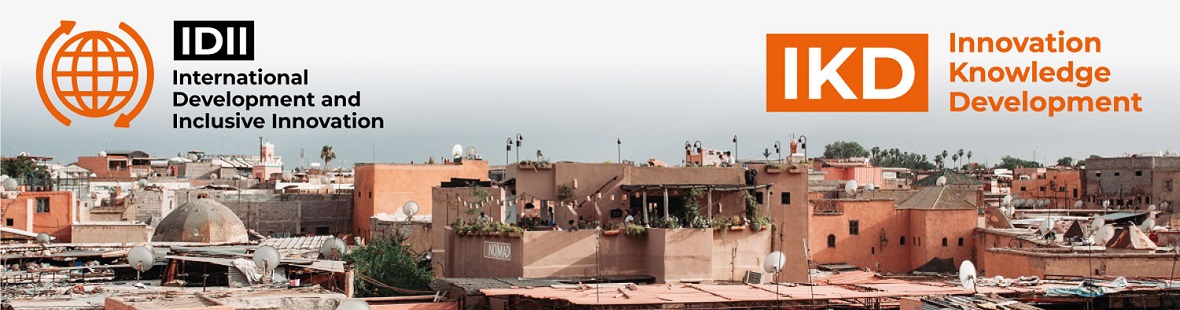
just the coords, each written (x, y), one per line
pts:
(44, 238)
(1106, 203)
(1104, 234)
(1097, 223)
(471, 153)
(457, 151)
(850, 187)
(941, 181)
(1151, 208)
(1007, 199)
(10, 184)
(1047, 225)
(1147, 224)
(410, 209)
(967, 275)
(1078, 204)
(870, 186)
(774, 262)
(333, 249)
(353, 304)
(141, 258)
(266, 257)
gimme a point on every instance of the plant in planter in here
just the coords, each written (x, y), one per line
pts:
(737, 223)
(760, 222)
(672, 223)
(612, 228)
(774, 168)
(565, 193)
(632, 230)
(692, 209)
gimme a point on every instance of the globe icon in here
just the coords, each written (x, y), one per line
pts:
(94, 74)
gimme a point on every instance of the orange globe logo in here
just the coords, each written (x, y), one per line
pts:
(96, 74)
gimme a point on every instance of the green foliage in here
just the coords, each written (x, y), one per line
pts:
(692, 209)
(632, 230)
(565, 193)
(751, 204)
(23, 168)
(1065, 161)
(487, 228)
(673, 222)
(900, 159)
(1009, 162)
(327, 154)
(613, 225)
(844, 149)
(389, 261)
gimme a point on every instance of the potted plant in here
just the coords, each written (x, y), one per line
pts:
(774, 168)
(636, 231)
(565, 193)
(796, 169)
(737, 223)
(612, 228)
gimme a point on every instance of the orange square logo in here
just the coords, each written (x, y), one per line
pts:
(847, 73)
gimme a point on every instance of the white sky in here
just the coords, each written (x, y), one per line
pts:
(572, 77)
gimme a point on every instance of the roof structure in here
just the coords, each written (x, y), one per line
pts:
(201, 220)
(952, 178)
(1132, 238)
(936, 198)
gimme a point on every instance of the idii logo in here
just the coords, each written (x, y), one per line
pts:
(846, 73)
(94, 73)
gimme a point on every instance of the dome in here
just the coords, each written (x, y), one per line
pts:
(201, 220)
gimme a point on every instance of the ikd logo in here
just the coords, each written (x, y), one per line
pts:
(846, 73)
(95, 74)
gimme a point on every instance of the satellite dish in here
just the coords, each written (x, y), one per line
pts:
(333, 249)
(1007, 199)
(1047, 225)
(44, 238)
(1147, 224)
(410, 209)
(1044, 202)
(1097, 223)
(141, 258)
(1078, 204)
(967, 275)
(10, 184)
(870, 186)
(1151, 208)
(850, 187)
(266, 257)
(1106, 203)
(457, 151)
(213, 176)
(353, 304)
(774, 262)
(471, 152)
(102, 153)
(1104, 234)
(941, 181)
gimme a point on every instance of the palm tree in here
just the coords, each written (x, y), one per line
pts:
(955, 157)
(969, 159)
(327, 154)
(876, 150)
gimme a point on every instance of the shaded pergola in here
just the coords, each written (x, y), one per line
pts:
(643, 189)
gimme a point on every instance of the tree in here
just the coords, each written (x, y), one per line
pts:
(1065, 161)
(844, 149)
(968, 157)
(389, 261)
(22, 168)
(327, 154)
(897, 158)
(875, 151)
(1082, 162)
(1009, 162)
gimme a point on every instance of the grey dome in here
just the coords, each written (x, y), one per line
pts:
(201, 220)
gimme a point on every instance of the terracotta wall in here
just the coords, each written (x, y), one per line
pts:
(791, 220)
(118, 233)
(934, 225)
(22, 210)
(875, 217)
(384, 188)
(466, 257)
(735, 252)
(1015, 263)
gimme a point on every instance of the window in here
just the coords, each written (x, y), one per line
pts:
(370, 195)
(1042, 188)
(943, 241)
(758, 198)
(1098, 174)
(960, 241)
(8, 222)
(902, 241)
(1075, 193)
(1117, 173)
(853, 227)
(323, 231)
(1168, 185)
(873, 250)
(1022, 188)
(831, 241)
(786, 198)
(1138, 173)
(42, 204)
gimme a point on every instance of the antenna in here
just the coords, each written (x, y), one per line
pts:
(333, 249)
(267, 257)
(941, 181)
(457, 151)
(967, 275)
(141, 259)
(353, 304)
(44, 238)
(410, 209)
(1078, 204)
(850, 188)
(774, 262)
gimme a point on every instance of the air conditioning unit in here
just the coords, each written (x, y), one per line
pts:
(752, 277)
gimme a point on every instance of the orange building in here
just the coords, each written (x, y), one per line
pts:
(385, 188)
(116, 165)
(1062, 186)
(50, 212)
(929, 230)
